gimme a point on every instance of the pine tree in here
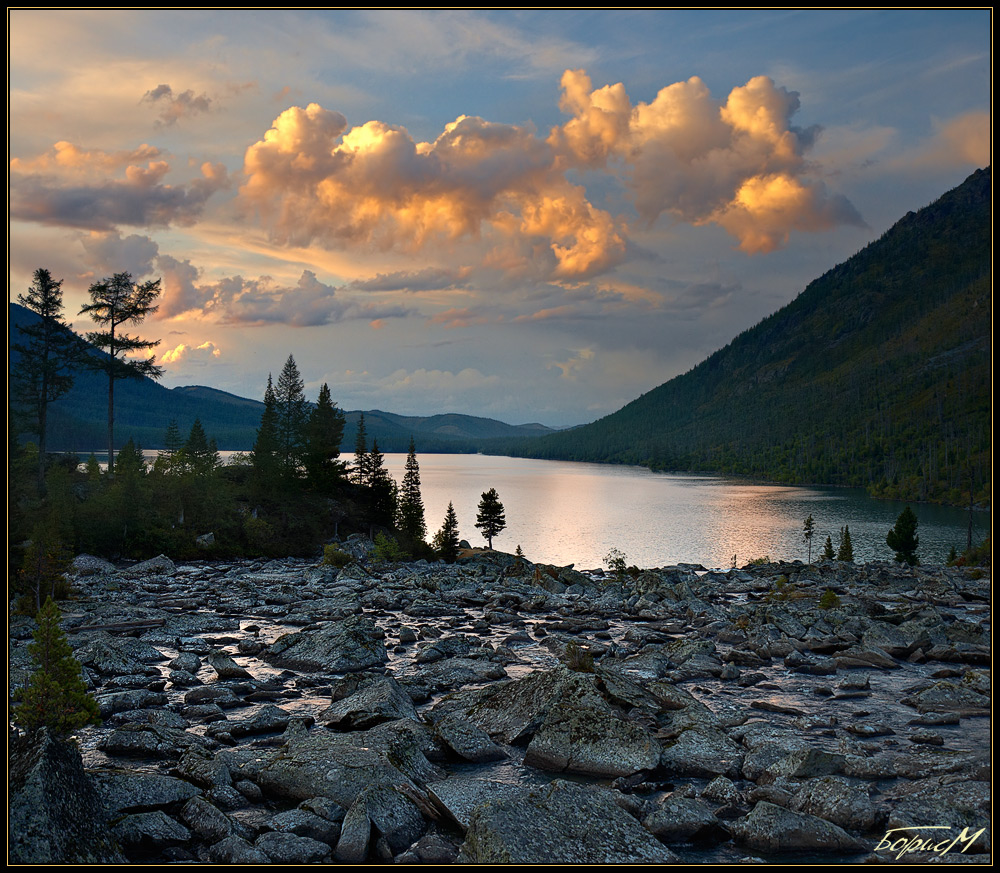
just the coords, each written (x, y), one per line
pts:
(292, 412)
(808, 532)
(43, 372)
(324, 434)
(200, 454)
(173, 442)
(490, 519)
(446, 540)
(828, 553)
(383, 488)
(411, 504)
(845, 550)
(55, 697)
(903, 539)
(361, 453)
(115, 302)
(265, 447)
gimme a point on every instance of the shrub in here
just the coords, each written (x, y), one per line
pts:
(759, 562)
(829, 600)
(55, 697)
(334, 557)
(387, 550)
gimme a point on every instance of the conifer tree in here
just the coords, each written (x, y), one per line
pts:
(201, 455)
(845, 550)
(903, 539)
(383, 488)
(828, 552)
(116, 302)
(490, 520)
(292, 412)
(55, 697)
(49, 352)
(324, 434)
(411, 504)
(808, 532)
(361, 453)
(265, 447)
(446, 540)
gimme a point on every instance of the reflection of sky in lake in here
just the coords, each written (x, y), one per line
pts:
(564, 512)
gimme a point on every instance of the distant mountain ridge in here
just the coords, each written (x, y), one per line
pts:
(144, 408)
(877, 375)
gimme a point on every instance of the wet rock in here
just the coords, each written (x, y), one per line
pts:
(430, 849)
(209, 822)
(355, 835)
(803, 764)
(128, 791)
(837, 800)
(681, 819)
(222, 697)
(702, 752)
(54, 813)
(235, 850)
(721, 790)
(284, 848)
(376, 700)
(149, 830)
(126, 701)
(459, 797)
(225, 667)
(956, 805)
(202, 768)
(457, 672)
(353, 644)
(770, 828)
(152, 741)
(555, 823)
(927, 738)
(307, 824)
(467, 740)
(948, 696)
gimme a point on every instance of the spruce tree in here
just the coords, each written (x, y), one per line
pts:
(808, 532)
(490, 520)
(845, 550)
(828, 552)
(46, 358)
(201, 455)
(115, 302)
(383, 488)
(292, 412)
(55, 697)
(903, 539)
(361, 453)
(446, 540)
(411, 504)
(265, 447)
(324, 434)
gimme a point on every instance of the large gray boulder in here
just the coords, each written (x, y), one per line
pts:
(770, 828)
(559, 823)
(54, 813)
(376, 700)
(341, 647)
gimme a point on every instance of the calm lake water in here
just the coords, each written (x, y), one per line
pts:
(563, 512)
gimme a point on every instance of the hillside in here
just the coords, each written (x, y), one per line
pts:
(144, 408)
(877, 375)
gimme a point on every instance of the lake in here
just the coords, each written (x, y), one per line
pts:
(564, 512)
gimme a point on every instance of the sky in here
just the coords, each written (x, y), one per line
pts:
(530, 216)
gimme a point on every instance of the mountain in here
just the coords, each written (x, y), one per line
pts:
(144, 408)
(877, 375)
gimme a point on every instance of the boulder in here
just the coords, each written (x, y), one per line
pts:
(770, 828)
(376, 700)
(460, 796)
(55, 815)
(467, 740)
(130, 791)
(341, 647)
(837, 800)
(161, 565)
(559, 823)
(683, 819)
(702, 752)
(144, 831)
(283, 848)
(225, 667)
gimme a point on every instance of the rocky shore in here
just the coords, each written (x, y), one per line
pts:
(496, 710)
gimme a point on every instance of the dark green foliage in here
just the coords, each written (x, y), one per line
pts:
(829, 600)
(115, 302)
(334, 557)
(490, 518)
(323, 436)
(200, 455)
(42, 572)
(265, 449)
(845, 551)
(46, 357)
(411, 504)
(361, 461)
(172, 441)
(903, 539)
(828, 553)
(808, 532)
(55, 697)
(383, 489)
(387, 550)
(446, 540)
(878, 375)
(291, 413)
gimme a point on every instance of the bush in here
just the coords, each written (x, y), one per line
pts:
(334, 557)
(55, 697)
(829, 600)
(387, 550)
(759, 562)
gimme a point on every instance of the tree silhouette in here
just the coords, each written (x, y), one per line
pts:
(361, 453)
(265, 447)
(323, 436)
(903, 539)
(845, 551)
(446, 540)
(808, 532)
(291, 414)
(116, 302)
(490, 518)
(411, 504)
(46, 357)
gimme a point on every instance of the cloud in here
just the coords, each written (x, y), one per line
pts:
(205, 352)
(178, 291)
(459, 317)
(962, 141)
(428, 279)
(572, 366)
(69, 187)
(174, 107)
(109, 252)
(312, 180)
(740, 164)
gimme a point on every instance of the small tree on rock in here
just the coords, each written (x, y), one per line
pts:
(411, 504)
(828, 552)
(55, 697)
(903, 539)
(446, 540)
(490, 519)
(808, 532)
(845, 551)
